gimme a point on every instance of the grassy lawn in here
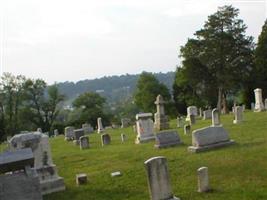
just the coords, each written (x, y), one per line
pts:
(236, 172)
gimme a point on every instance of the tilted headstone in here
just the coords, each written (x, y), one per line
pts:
(209, 138)
(100, 127)
(187, 129)
(77, 134)
(158, 179)
(87, 128)
(203, 179)
(145, 128)
(238, 115)
(43, 164)
(161, 120)
(216, 117)
(191, 110)
(69, 133)
(105, 139)
(167, 139)
(180, 122)
(20, 185)
(207, 114)
(258, 100)
(84, 142)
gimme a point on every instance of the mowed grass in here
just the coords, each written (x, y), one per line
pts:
(236, 172)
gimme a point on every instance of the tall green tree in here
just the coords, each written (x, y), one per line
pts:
(148, 88)
(219, 57)
(90, 106)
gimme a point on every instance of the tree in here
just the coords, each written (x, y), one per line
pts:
(91, 107)
(219, 57)
(42, 107)
(148, 88)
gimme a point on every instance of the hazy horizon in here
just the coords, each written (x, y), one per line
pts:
(62, 41)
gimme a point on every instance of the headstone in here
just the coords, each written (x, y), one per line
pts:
(203, 179)
(100, 127)
(81, 179)
(125, 122)
(161, 120)
(87, 128)
(105, 139)
(244, 107)
(187, 129)
(209, 138)
(252, 105)
(77, 134)
(192, 120)
(167, 139)
(123, 137)
(180, 122)
(56, 133)
(191, 110)
(258, 100)
(207, 114)
(158, 179)
(145, 128)
(84, 142)
(39, 130)
(216, 117)
(200, 112)
(238, 115)
(47, 172)
(134, 129)
(20, 181)
(69, 133)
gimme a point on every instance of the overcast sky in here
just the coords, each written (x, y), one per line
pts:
(71, 40)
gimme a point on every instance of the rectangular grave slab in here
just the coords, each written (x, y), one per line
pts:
(16, 160)
(209, 138)
(167, 139)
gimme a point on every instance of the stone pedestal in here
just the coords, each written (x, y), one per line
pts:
(258, 100)
(161, 120)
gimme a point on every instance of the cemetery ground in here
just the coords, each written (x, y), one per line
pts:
(236, 172)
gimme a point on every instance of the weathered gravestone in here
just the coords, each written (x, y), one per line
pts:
(238, 115)
(84, 142)
(180, 122)
(252, 106)
(100, 127)
(87, 128)
(258, 100)
(167, 139)
(105, 139)
(77, 134)
(216, 117)
(145, 128)
(24, 183)
(203, 179)
(125, 122)
(187, 129)
(56, 133)
(39, 130)
(209, 138)
(69, 133)
(43, 164)
(207, 114)
(81, 179)
(191, 110)
(158, 179)
(161, 120)
(192, 119)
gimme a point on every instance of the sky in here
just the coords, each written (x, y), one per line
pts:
(72, 40)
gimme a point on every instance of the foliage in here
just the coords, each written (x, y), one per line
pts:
(148, 88)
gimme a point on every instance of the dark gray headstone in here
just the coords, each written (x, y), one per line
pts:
(78, 133)
(167, 139)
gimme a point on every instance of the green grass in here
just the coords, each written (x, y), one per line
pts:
(236, 172)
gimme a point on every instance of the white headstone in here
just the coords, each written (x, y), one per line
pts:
(238, 115)
(203, 179)
(258, 100)
(191, 110)
(100, 127)
(145, 128)
(216, 117)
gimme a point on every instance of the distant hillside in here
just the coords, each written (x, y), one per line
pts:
(114, 88)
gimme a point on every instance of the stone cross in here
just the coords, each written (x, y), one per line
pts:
(161, 120)
(258, 100)
(238, 115)
(158, 179)
(203, 179)
(215, 117)
(100, 128)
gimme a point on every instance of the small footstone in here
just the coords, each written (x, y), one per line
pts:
(114, 174)
(81, 179)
